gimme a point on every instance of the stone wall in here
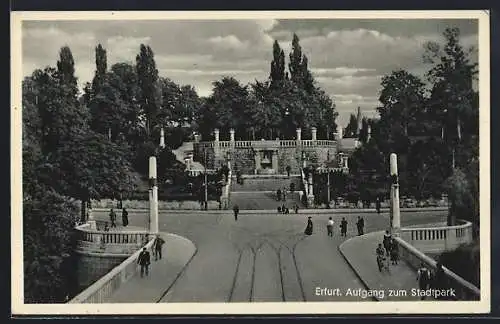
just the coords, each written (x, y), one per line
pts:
(243, 160)
(243, 157)
(91, 267)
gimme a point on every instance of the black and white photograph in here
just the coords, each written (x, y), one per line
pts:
(270, 162)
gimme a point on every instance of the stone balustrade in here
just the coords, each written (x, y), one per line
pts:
(268, 144)
(435, 239)
(414, 257)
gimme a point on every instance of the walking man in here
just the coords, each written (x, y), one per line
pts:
(360, 225)
(423, 278)
(387, 242)
(296, 208)
(343, 227)
(377, 205)
(329, 227)
(144, 261)
(284, 194)
(157, 245)
(278, 194)
(124, 217)
(236, 210)
(112, 217)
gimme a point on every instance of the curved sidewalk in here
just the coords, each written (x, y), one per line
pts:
(359, 252)
(177, 253)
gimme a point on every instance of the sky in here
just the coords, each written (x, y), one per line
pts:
(347, 57)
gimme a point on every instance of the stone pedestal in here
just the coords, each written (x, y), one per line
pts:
(274, 159)
(395, 212)
(314, 133)
(257, 161)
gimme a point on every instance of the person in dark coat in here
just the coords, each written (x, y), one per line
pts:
(236, 210)
(394, 252)
(124, 217)
(157, 247)
(296, 208)
(360, 224)
(278, 195)
(423, 278)
(439, 280)
(378, 205)
(309, 227)
(144, 261)
(387, 242)
(112, 217)
(343, 227)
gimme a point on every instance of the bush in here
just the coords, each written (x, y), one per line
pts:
(49, 264)
(464, 261)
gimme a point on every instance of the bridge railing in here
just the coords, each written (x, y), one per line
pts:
(464, 290)
(86, 234)
(433, 239)
(109, 283)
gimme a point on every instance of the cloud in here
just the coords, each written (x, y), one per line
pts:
(122, 48)
(229, 42)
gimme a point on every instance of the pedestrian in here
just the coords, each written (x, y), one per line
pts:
(283, 208)
(377, 205)
(287, 211)
(296, 208)
(387, 242)
(278, 195)
(360, 224)
(279, 209)
(309, 227)
(236, 210)
(124, 217)
(439, 280)
(284, 194)
(144, 261)
(343, 227)
(112, 217)
(423, 278)
(157, 247)
(380, 253)
(106, 227)
(329, 227)
(394, 252)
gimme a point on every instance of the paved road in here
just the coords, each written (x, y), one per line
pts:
(265, 257)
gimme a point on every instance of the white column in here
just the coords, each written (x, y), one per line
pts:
(299, 134)
(395, 212)
(162, 138)
(216, 135)
(311, 191)
(153, 196)
(369, 135)
(231, 133)
(314, 133)
(340, 132)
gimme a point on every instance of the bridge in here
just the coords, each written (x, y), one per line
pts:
(263, 256)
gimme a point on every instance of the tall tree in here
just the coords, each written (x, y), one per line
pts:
(277, 75)
(148, 83)
(298, 66)
(101, 69)
(452, 96)
(351, 129)
(402, 98)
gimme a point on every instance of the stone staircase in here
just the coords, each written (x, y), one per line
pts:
(257, 200)
(259, 192)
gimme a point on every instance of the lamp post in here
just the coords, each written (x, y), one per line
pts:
(206, 178)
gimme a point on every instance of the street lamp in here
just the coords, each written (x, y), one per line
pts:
(206, 178)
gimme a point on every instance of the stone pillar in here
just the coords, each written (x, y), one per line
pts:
(231, 138)
(340, 132)
(197, 138)
(153, 196)
(314, 133)
(216, 147)
(310, 192)
(257, 161)
(395, 212)
(274, 160)
(162, 138)
(299, 134)
(231, 133)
